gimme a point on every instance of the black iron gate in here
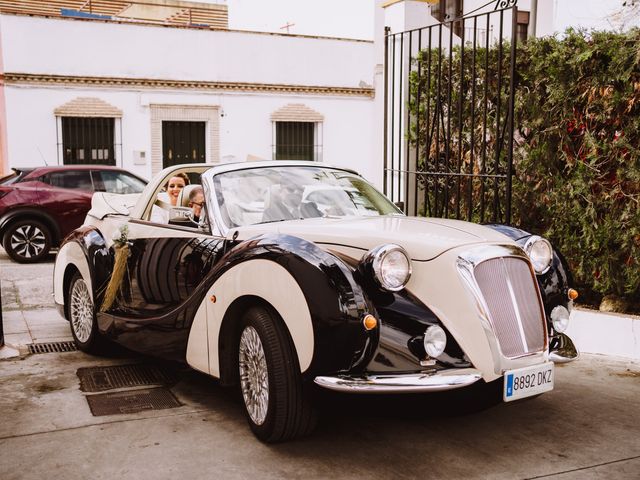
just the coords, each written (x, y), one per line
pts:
(449, 102)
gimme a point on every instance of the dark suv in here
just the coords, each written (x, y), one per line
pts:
(40, 206)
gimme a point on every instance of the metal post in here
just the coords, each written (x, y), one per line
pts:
(533, 18)
(386, 107)
(512, 86)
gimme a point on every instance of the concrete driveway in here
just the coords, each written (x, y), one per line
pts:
(586, 428)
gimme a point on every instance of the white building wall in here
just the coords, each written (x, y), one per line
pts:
(94, 48)
(245, 125)
(79, 49)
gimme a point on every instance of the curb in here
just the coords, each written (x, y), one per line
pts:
(605, 333)
(8, 351)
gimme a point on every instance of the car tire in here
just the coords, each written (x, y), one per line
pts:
(27, 241)
(82, 317)
(277, 404)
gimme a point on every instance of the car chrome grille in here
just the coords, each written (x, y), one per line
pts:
(511, 296)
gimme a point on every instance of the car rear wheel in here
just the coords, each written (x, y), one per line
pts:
(82, 318)
(278, 406)
(27, 241)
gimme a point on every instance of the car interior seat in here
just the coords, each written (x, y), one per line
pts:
(183, 197)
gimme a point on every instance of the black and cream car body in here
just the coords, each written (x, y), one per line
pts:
(301, 274)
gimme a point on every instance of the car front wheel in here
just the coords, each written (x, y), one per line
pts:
(27, 241)
(278, 406)
(82, 317)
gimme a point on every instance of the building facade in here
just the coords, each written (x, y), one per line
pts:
(147, 94)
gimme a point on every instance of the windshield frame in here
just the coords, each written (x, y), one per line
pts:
(210, 179)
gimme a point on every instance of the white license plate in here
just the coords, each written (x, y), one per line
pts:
(525, 382)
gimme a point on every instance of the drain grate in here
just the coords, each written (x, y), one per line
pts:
(99, 379)
(52, 347)
(133, 401)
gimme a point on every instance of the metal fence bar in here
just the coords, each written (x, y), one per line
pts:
(427, 202)
(496, 201)
(447, 140)
(400, 105)
(393, 112)
(512, 87)
(408, 124)
(484, 125)
(437, 120)
(419, 67)
(386, 108)
(460, 107)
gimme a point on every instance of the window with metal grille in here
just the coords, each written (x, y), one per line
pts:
(523, 26)
(87, 140)
(297, 141)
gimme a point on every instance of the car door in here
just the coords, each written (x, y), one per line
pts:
(66, 196)
(162, 287)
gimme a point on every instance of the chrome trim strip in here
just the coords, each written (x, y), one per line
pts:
(401, 383)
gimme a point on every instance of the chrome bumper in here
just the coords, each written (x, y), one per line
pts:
(402, 383)
(562, 349)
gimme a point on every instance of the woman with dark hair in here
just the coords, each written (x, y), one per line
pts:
(174, 187)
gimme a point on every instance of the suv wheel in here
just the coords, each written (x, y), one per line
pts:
(27, 241)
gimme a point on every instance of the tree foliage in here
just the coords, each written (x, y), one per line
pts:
(577, 143)
(578, 168)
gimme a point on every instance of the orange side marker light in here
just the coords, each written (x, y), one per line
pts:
(572, 294)
(369, 322)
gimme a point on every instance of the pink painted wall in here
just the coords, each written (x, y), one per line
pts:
(4, 160)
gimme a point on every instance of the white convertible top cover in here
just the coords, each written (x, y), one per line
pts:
(103, 204)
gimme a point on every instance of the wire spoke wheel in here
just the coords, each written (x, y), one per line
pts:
(81, 311)
(254, 375)
(277, 405)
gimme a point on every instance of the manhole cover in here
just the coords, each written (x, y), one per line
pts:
(99, 379)
(52, 347)
(133, 401)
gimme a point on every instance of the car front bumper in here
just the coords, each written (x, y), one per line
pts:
(401, 383)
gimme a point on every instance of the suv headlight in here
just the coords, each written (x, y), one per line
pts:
(391, 267)
(540, 253)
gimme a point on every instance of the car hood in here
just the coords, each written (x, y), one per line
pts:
(423, 238)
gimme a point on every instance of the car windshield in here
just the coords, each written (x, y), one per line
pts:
(261, 195)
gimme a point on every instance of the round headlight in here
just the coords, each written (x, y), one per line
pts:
(560, 318)
(391, 267)
(540, 253)
(435, 341)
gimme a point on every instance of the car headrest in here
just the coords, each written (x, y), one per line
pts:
(183, 198)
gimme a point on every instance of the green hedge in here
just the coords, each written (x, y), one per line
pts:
(577, 153)
(578, 164)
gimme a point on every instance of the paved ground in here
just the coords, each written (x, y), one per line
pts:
(587, 428)
(28, 312)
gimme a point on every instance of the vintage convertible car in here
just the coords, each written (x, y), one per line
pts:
(300, 274)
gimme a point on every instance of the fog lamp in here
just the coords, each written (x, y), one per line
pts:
(560, 318)
(435, 341)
